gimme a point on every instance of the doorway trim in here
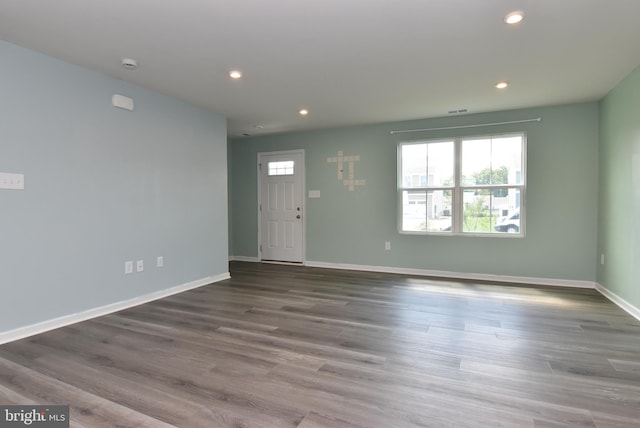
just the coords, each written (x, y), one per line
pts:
(303, 198)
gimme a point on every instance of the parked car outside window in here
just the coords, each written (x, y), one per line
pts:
(509, 223)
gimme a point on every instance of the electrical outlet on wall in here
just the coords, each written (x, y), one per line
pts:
(387, 245)
(160, 261)
(139, 265)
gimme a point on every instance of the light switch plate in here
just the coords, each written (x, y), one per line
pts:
(139, 265)
(11, 181)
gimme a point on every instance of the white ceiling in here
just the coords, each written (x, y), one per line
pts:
(347, 61)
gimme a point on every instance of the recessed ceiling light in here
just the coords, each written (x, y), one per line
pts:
(501, 85)
(129, 64)
(235, 74)
(303, 112)
(514, 17)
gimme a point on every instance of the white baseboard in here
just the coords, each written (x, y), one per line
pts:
(458, 275)
(244, 259)
(41, 327)
(619, 301)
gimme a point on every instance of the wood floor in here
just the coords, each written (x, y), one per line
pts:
(282, 346)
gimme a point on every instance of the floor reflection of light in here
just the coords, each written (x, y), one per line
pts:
(491, 291)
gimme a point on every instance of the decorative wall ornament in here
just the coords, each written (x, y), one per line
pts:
(341, 159)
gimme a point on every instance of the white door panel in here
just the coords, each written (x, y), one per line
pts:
(281, 206)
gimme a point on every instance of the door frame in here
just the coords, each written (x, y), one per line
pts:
(303, 186)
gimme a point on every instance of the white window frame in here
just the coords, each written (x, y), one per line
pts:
(457, 204)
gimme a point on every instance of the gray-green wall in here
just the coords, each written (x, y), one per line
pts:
(103, 185)
(350, 227)
(619, 207)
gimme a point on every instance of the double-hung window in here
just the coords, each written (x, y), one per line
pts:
(471, 185)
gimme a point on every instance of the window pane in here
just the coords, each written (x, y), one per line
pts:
(440, 163)
(479, 214)
(488, 210)
(492, 161)
(507, 156)
(426, 211)
(509, 220)
(414, 165)
(281, 168)
(428, 164)
(476, 162)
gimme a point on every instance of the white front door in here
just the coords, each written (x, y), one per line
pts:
(281, 181)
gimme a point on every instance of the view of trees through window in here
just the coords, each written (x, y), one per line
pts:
(470, 185)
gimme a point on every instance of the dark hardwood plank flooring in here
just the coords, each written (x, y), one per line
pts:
(288, 346)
